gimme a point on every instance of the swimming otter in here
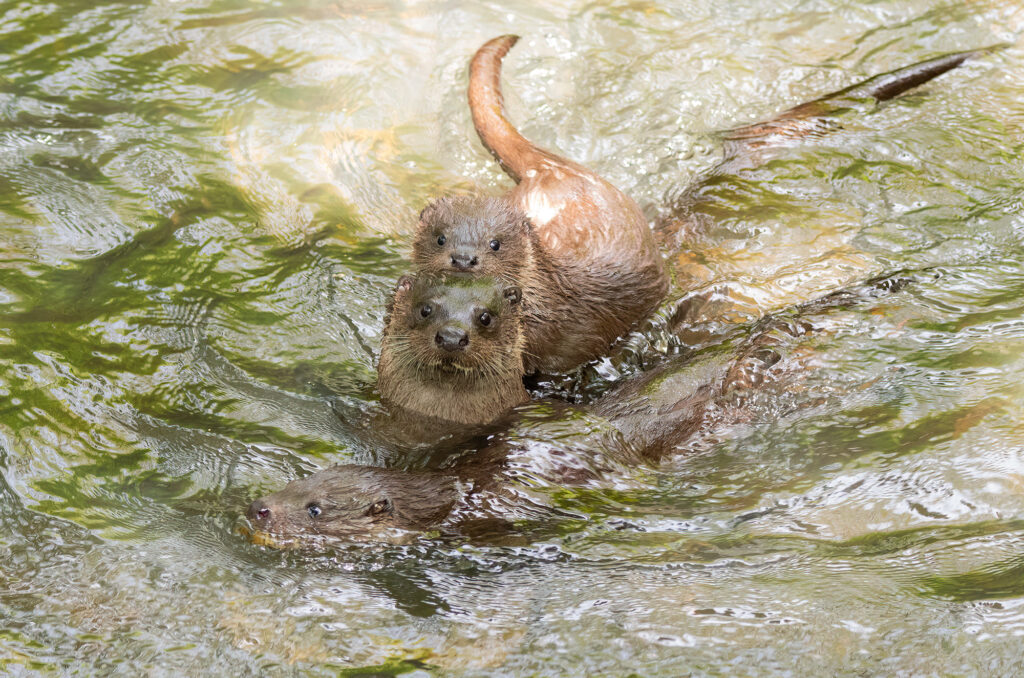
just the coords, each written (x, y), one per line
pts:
(452, 349)
(580, 248)
(481, 236)
(641, 421)
(638, 423)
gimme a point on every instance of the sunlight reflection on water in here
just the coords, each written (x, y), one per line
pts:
(203, 206)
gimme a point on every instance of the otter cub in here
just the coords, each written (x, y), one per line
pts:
(477, 235)
(452, 348)
(640, 422)
(580, 248)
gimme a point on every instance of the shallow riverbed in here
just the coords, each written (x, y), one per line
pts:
(204, 204)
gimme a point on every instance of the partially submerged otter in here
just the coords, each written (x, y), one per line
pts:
(452, 349)
(355, 501)
(642, 421)
(580, 248)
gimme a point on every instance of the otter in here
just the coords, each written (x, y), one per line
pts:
(453, 349)
(642, 421)
(580, 248)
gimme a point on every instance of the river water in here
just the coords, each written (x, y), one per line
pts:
(204, 203)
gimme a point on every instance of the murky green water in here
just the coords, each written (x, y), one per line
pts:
(203, 205)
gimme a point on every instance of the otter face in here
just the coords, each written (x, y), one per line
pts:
(455, 324)
(354, 502)
(475, 236)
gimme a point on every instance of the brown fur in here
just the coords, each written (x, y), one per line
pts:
(579, 247)
(572, 310)
(646, 417)
(642, 420)
(474, 384)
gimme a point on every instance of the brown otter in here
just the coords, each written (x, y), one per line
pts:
(652, 428)
(817, 117)
(638, 423)
(642, 421)
(452, 349)
(580, 248)
(482, 236)
(707, 296)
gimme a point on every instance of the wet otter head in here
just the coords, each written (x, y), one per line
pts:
(452, 348)
(354, 502)
(476, 236)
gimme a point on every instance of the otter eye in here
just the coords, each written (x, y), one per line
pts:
(441, 240)
(485, 318)
(313, 510)
(495, 245)
(426, 310)
(379, 507)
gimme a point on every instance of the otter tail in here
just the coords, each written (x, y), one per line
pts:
(814, 118)
(512, 150)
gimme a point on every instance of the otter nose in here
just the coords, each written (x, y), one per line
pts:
(452, 338)
(462, 261)
(258, 511)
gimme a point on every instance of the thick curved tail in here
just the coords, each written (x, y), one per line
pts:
(813, 118)
(515, 153)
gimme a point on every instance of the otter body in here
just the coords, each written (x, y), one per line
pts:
(638, 423)
(580, 248)
(573, 308)
(749, 145)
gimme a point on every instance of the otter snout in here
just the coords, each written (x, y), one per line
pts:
(452, 338)
(259, 513)
(462, 261)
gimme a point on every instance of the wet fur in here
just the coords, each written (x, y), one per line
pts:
(641, 421)
(572, 309)
(356, 501)
(471, 386)
(650, 415)
(586, 259)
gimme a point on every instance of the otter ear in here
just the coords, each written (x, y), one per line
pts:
(379, 507)
(402, 288)
(403, 285)
(519, 218)
(513, 294)
(430, 211)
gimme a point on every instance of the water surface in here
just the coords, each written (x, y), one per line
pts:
(204, 203)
